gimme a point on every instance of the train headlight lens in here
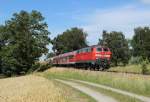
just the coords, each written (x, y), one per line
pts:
(106, 55)
(98, 55)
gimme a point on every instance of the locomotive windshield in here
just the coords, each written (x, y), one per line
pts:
(99, 49)
(105, 49)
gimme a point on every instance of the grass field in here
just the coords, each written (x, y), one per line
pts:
(35, 88)
(117, 96)
(138, 84)
(129, 69)
(38, 89)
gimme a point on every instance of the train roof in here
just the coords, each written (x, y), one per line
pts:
(65, 54)
(74, 52)
(91, 47)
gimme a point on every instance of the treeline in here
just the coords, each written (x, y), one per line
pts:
(24, 37)
(23, 40)
(124, 51)
(70, 40)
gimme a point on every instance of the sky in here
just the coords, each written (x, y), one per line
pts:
(93, 16)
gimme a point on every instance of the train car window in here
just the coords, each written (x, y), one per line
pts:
(105, 49)
(99, 49)
(78, 52)
(89, 49)
(64, 59)
(82, 50)
(71, 56)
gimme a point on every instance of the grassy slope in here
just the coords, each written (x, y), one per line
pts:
(129, 69)
(73, 94)
(37, 89)
(117, 96)
(138, 84)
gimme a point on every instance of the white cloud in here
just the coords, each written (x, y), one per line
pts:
(123, 19)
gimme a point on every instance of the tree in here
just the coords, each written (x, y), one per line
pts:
(49, 55)
(27, 39)
(69, 40)
(3, 42)
(141, 42)
(118, 45)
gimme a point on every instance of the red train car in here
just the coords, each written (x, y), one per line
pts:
(64, 59)
(94, 57)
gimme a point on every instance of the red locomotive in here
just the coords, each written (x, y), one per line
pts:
(93, 57)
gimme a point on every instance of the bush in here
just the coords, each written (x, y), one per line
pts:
(34, 67)
(43, 67)
(136, 60)
(144, 67)
(39, 67)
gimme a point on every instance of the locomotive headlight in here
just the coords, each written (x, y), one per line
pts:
(106, 55)
(98, 55)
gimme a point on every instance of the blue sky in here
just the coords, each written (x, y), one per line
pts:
(91, 15)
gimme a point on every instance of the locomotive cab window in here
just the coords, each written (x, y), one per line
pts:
(89, 49)
(85, 50)
(99, 49)
(81, 51)
(105, 49)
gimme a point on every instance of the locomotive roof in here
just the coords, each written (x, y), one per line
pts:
(74, 52)
(91, 46)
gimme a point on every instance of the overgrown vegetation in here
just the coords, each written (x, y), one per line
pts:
(138, 84)
(141, 42)
(133, 69)
(135, 60)
(39, 67)
(144, 67)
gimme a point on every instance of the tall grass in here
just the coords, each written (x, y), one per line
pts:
(33, 88)
(137, 69)
(138, 84)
